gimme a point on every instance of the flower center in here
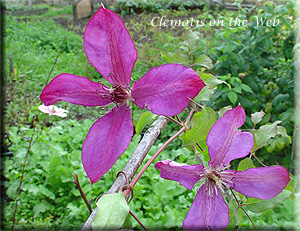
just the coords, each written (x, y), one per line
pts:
(117, 94)
(216, 178)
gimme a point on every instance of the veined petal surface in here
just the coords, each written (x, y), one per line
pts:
(109, 47)
(262, 183)
(225, 142)
(207, 212)
(105, 142)
(165, 90)
(187, 175)
(73, 89)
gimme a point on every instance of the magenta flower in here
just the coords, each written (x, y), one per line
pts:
(225, 143)
(163, 90)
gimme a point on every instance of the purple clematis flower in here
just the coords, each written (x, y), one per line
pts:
(109, 48)
(209, 211)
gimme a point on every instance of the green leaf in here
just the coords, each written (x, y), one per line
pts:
(205, 61)
(232, 222)
(210, 81)
(112, 212)
(246, 88)
(223, 110)
(205, 94)
(201, 123)
(143, 120)
(40, 208)
(263, 135)
(256, 117)
(245, 164)
(232, 96)
(257, 205)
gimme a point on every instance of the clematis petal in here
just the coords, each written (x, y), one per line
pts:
(187, 175)
(207, 212)
(109, 47)
(106, 140)
(74, 89)
(225, 142)
(165, 90)
(262, 183)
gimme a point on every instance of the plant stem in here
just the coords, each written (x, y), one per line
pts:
(138, 176)
(175, 121)
(141, 224)
(60, 50)
(259, 161)
(199, 146)
(76, 182)
(240, 206)
(21, 181)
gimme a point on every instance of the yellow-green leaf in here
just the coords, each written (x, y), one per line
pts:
(112, 212)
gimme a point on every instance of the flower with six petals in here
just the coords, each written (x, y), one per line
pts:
(109, 48)
(225, 143)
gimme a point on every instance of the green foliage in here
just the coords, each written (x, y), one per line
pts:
(143, 120)
(47, 195)
(112, 212)
(154, 6)
(201, 123)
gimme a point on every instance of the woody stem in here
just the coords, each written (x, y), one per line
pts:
(138, 176)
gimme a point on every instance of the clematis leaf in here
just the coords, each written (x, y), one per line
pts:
(205, 61)
(210, 80)
(223, 110)
(256, 117)
(263, 135)
(205, 94)
(258, 205)
(144, 119)
(201, 123)
(232, 96)
(232, 222)
(245, 164)
(112, 212)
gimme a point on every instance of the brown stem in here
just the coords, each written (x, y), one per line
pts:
(259, 161)
(175, 121)
(76, 182)
(177, 117)
(199, 146)
(240, 206)
(60, 50)
(195, 102)
(138, 176)
(141, 224)
(21, 181)
(189, 117)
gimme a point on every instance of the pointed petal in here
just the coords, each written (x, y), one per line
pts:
(109, 47)
(74, 89)
(207, 212)
(262, 183)
(106, 140)
(165, 90)
(225, 142)
(187, 175)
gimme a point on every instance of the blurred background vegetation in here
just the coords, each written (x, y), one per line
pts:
(256, 62)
